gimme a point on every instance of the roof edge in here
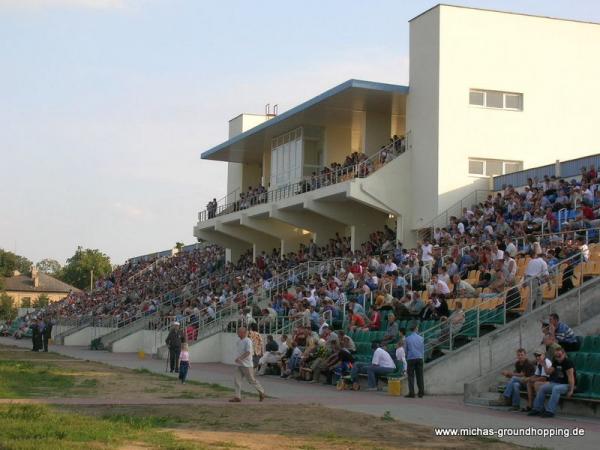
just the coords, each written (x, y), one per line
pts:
(352, 83)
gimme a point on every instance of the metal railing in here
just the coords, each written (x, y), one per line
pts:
(493, 308)
(232, 202)
(456, 210)
(207, 326)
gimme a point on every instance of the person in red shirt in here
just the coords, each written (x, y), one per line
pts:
(358, 323)
(375, 320)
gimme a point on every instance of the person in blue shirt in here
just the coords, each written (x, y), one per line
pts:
(415, 352)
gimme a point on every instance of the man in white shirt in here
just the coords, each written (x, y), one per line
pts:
(245, 367)
(381, 364)
(536, 273)
(440, 286)
(426, 253)
(540, 375)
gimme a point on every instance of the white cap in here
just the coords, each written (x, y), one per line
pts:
(176, 323)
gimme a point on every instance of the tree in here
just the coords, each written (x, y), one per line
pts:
(7, 307)
(49, 266)
(9, 262)
(26, 302)
(78, 269)
(41, 302)
(179, 246)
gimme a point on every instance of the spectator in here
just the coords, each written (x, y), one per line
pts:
(517, 379)
(381, 364)
(540, 375)
(561, 381)
(415, 352)
(564, 335)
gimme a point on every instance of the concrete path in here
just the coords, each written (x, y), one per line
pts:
(435, 411)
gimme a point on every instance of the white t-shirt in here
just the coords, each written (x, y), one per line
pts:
(542, 372)
(383, 359)
(426, 251)
(243, 346)
(401, 356)
(441, 287)
(536, 267)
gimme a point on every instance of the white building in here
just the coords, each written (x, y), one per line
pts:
(490, 93)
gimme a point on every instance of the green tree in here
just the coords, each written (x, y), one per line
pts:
(9, 262)
(179, 246)
(26, 302)
(49, 266)
(78, 269)
(42, 301)
(7, 307)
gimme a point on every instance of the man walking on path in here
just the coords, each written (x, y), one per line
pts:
(245, 367)
(415, 350)
(174, 341)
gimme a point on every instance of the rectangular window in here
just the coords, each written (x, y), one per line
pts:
(496, 99)
(491, 167)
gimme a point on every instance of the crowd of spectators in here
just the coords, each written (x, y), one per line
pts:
(356, 164)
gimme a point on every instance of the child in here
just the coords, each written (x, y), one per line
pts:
(401, 354)
(184, 362)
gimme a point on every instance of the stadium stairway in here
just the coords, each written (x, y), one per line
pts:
(470, 369)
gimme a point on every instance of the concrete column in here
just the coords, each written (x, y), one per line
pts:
(323, 229)
(290, 237)
(361, 219)
(377, 131)
(260, 242)
(234, 248)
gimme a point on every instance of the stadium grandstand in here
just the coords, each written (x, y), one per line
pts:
(467, 202)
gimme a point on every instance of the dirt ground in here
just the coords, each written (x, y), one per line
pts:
(198, 414)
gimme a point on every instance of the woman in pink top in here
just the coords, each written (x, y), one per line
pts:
(184, 362)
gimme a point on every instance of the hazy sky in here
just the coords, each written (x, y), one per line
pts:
(106, 105)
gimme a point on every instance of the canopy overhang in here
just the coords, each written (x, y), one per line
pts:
(336, 107)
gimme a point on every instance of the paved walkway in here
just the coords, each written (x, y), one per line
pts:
(435, 411)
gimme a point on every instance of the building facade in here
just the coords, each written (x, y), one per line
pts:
(490, 93)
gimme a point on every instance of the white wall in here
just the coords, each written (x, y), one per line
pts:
(86, 335)
(422, 115)
(147, 340)
(553, 63)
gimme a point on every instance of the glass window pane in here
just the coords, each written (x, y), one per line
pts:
(513, 101)
(493, 167)
(510, 167)
(476, 98)
(494, 99)
(475, 167)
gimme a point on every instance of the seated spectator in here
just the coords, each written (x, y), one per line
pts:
(391, 333)
(539, 376)
(462, 288)
(517, 379)
(381, 364)
(271, 355)
(561, 381)
(564, 335)
(357, 322)
(375, 320)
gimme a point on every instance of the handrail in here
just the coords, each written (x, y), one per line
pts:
(534, 284)
(287, 278)
(360, 170)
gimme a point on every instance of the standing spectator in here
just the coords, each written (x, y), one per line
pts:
(245, 368)
(174, 340)
(415, 352)
(536, 273)
(561, 381)
(47, 334)
(184, 362)
(36, 336)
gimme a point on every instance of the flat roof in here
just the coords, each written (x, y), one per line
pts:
(539, 16)
(350, 96)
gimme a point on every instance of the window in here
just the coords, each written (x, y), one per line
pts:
(496, 99)
(286, 158)
(491, 167)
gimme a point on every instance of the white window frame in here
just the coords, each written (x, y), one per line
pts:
(478, 175)
(504, 94)
(484, 161)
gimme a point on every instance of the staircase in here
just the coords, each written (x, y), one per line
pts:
(478, 362)
(443, 219)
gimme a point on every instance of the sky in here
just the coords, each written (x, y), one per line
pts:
(106, 105)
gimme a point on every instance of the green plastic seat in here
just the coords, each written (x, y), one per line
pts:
(581, 361)
(584, 384)
(588, 344)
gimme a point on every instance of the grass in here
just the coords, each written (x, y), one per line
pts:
(25, 380)
(43, 428)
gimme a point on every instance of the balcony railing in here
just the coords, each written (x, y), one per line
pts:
(233, 202)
